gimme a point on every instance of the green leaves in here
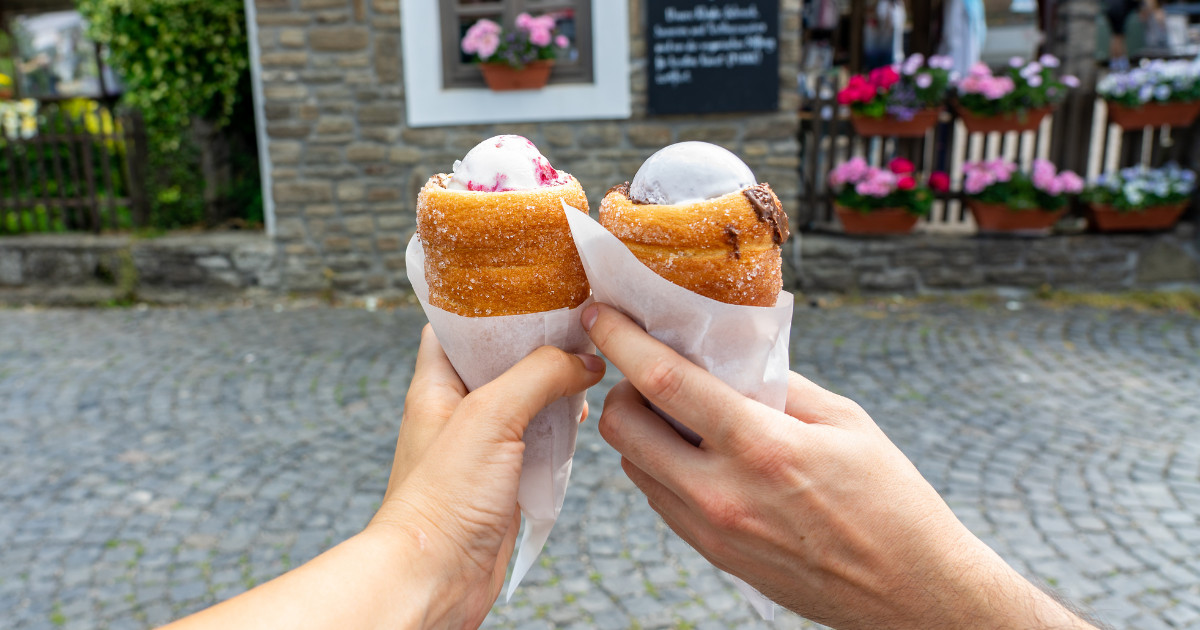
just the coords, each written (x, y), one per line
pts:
(180, 59)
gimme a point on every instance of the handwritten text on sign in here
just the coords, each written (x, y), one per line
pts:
(698, 46)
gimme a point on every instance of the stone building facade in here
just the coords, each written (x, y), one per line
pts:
(345, 167)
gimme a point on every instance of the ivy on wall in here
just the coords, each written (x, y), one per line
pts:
(179, 59)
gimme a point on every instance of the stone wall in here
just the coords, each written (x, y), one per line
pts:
(930, 263)
(187, 261)
(346, 168)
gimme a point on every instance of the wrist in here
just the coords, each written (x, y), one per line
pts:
(426, 584)
(983, 591)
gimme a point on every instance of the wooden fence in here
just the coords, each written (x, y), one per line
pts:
(1077, 136)
(70, 165)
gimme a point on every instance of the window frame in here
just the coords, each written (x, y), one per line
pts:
(461, 74)
(428, 104)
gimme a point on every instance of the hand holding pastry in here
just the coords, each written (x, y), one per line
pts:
(812, 504)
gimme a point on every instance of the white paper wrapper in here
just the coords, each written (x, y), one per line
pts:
(744, 346)
(482, 348)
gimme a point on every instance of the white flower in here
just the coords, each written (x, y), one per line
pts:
(924, 80)
(1048, 60)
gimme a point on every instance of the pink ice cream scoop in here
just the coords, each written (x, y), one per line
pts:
(503, 163)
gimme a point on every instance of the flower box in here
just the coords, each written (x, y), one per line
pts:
(502, 77)
(921, 122)
(1178, 114)
(1106, 218)
(1024, 120)
(998, 217)
(882, 221)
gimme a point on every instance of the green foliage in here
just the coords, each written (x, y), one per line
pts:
(180, 59)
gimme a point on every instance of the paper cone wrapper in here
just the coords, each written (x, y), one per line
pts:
(744, 346)
(482, 348)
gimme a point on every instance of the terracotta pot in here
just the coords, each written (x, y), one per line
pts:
(891, 126)
(1106, 218)
(1153, 114)
(885, 221)
(997, 217)
(502, 78)
(1025, 120)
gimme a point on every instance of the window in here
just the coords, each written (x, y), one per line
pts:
(574, 21)
(431, 54)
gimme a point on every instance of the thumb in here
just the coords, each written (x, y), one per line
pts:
(509, 402)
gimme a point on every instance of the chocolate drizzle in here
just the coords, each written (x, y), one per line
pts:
(623, 190)
(731, 235)
(766, 206)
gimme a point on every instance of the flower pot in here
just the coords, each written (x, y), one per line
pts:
(997, 217)
(1153, 114)
(1106, 218)
(1024, 120)
(502, 78)
(921, 121)
(884, 221)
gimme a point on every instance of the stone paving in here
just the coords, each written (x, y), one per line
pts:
(157, 461)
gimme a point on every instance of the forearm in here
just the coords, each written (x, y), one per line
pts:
(988, 593)
(373, 580)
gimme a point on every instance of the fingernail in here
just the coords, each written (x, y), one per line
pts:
(589, 316)
(592, 362)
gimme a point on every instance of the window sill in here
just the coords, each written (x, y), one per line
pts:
(428, 104)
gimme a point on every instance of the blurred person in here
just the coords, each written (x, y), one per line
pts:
(964, 31)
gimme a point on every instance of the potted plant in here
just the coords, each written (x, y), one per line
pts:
(518, 59)
(901, 100)
(1155, 93)
(872, 200)
(1016, 99)
(1139, 198)
(1003, 199)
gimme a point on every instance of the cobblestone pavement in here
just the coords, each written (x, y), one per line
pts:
(158, 461)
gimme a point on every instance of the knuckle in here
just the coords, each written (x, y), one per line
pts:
(663, 380)
(724, 513)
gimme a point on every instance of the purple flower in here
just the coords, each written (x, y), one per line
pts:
(924, 80)
(1016, 62)
(1048, 60)
(941, 62)
(1070, 81)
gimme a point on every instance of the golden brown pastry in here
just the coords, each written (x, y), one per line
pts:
(500, 253)
(726, 248)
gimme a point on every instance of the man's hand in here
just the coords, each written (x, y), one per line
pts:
(814, 506)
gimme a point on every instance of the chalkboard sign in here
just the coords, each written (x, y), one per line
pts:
(712, 56)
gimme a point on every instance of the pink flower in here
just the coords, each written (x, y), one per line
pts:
(901, 166)
(562, 42)
(1070, 183)
(524, 21)
(482, 39)
(998, 87)
(980, 69)
(976, 182)
(853, 170)
(540, 37)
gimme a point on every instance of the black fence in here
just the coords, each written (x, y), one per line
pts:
(71, 165)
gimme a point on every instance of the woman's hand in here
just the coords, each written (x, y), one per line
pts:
(434, 555)
(453, 487)
(812, 505)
